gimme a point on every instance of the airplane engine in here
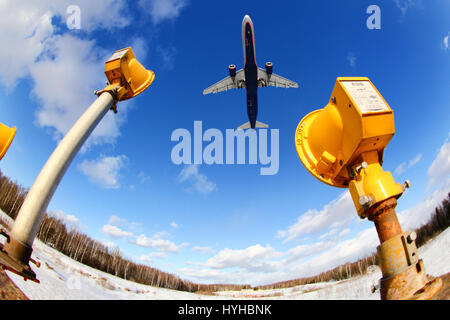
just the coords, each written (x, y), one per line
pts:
(269, 67)
(232, 70)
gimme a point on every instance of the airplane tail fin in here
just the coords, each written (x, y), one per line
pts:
(257, 125)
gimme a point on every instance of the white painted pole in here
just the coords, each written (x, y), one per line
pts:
(32, 211)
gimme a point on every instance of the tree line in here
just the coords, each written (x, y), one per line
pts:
(82, 248)
(438, 222)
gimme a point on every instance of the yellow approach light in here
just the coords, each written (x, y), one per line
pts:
(343, 144)
(126, 76)
(6, 137)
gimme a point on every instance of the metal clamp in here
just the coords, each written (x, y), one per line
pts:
(115, 90)
(18, 259)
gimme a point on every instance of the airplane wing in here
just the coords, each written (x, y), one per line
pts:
(274, 80)
(228, 83)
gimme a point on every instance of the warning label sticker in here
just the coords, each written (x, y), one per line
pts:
(366, 98)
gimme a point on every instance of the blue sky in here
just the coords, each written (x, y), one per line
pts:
(222, 223)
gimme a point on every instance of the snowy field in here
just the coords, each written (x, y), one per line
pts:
(65, 279)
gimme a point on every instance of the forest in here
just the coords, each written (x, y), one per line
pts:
(82, 248)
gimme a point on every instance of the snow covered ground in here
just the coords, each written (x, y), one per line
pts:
(63, 278)
(435, 253)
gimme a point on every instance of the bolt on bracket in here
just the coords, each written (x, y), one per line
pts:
(13, 264)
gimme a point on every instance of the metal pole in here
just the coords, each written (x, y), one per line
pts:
(32, 211)
(385, 219)
(403, 272)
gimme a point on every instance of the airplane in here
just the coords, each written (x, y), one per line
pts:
(250, 77)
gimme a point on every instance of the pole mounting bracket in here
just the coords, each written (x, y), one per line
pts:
(8, 262)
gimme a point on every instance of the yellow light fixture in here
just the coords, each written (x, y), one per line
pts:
(343, 144)
(126, 76)
(6, 137)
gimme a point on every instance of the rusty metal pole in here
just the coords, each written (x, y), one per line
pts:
(385, 219)
(403, 272)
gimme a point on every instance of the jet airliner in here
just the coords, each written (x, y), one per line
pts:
(250, 77)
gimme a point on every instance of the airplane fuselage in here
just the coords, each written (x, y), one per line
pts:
(250, 77)
(250, 70)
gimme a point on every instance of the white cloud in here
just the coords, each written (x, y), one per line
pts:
(93, 13)
(351, 58)
(174, 225)
(27, 28)
(402, 167)
(445, 42)
(122, 222)
(115, 232)
(146, 258)
(259, 265)
(414, 217)
(344, 232)
(210, 275)
(337, 213)
(143, 177)
(329, 233)
(64, 98)
(439, 171)
(415, 160)
(25, 32)
(203, 250)
(104, 171)
(140, 48)
(303, 251)
(64, 68)
(117, 220)
(240, 276)
(250, 258)
(69, 219)
(160, 255)
(363, 244)
(161, 10)
(149, 257)
(158, 243)
(109, 244)
(199, 182)
(167, 57)
(405, 5)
